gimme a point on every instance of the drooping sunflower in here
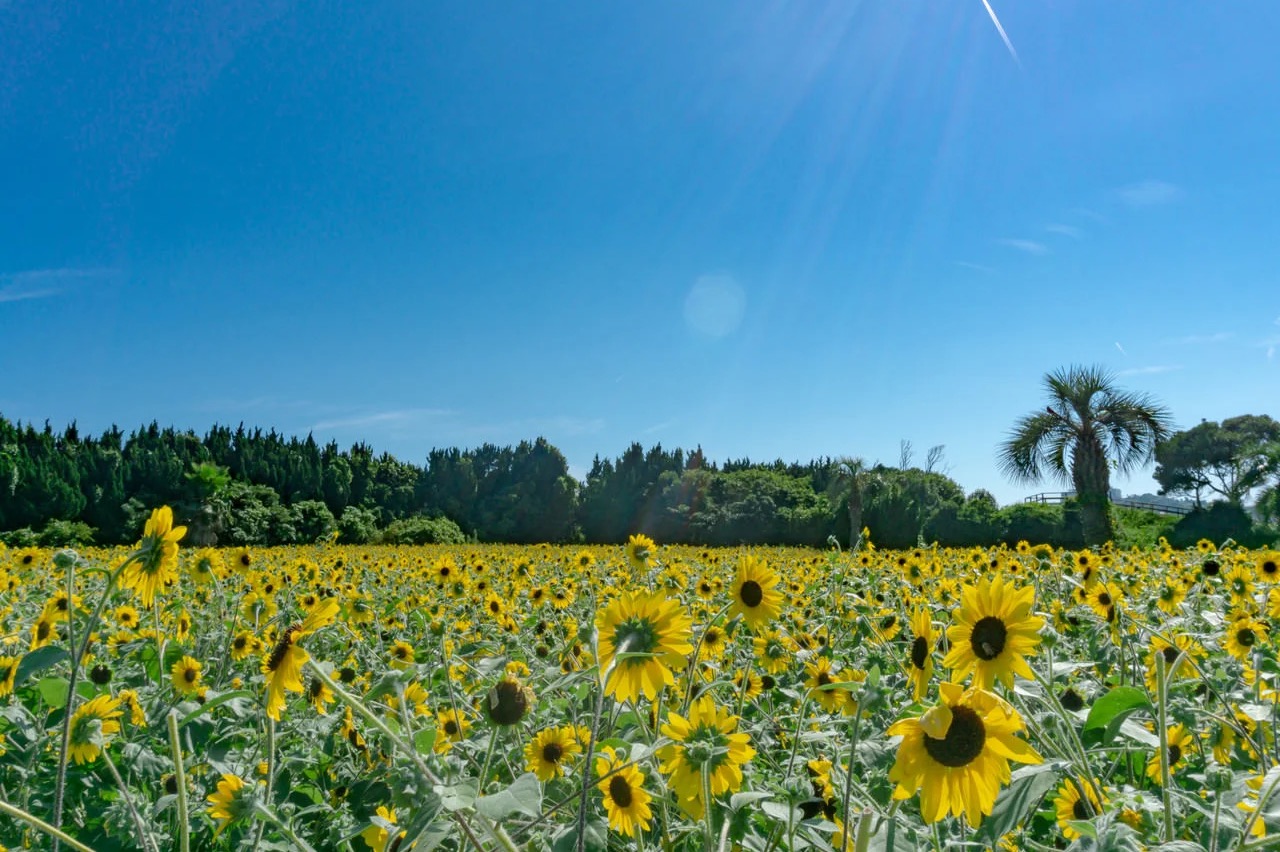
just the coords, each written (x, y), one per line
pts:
(283, 666)
(625, 801)
(707, 739)
(549, 751)
(755, 593)
(920, 660)
(1072, 806)
(156, 565)
(92, 726)
(233, 800)
(1239, 582)
(378, 834)
(508, 701)
(957, 754)
(185, 675)
(993, 633)
(320, 696)
(1180, 742)
(643, 635)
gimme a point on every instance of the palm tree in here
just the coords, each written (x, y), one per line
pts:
(1089, 427)
(849, 479)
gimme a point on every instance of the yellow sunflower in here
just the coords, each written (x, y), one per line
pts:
(283, 666)
(156, 564)
(993, 633)
(773, 651)
(8, 671)
(639, 548)
(92, 726)
(185, 675)
(625, 799)
(549, 750)
(755, 593)
(643, 635)
(451, 727)
(1180, 742)
(920, 660)
(1243, 634)
(231, 801)
(378, 834)
(957, 754)
(1071, 806)
(707, 739)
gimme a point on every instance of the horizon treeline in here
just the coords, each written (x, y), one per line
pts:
(247, 486)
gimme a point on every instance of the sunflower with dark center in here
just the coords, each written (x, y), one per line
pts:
(185, 675)
(508, 701)
(920, 658)
(451, 727)
(755, 593)
(1072, 806)
(1071, 700)
(957, 754)
(99, 674)
(548, 752)
(1268, 565)
(8, 674)
(1243, 634)
(625, 801)
(993, 633)
(1180, 741)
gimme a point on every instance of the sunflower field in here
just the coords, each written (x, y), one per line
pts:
(565, 698)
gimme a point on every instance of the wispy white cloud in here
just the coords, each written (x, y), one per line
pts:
(1028, 246)
(403, 415)
(1093, 215)
(1199, 339)
(1148, 371)
(657, 427)
(1121, 348)
(1149, 193)
(43, 283)
(977, 267)
(1065, 230)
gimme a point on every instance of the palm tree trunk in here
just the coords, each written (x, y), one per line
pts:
(1092, 480)
(855, 515)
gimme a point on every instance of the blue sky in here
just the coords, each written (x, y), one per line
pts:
(772, 229)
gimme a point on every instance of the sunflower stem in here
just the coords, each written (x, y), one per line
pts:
(60, 782)
(143, 839)
(596, 713)
(488, 756)
(848, 770)
(38, 824)
(180, 778)
(708, 830)
(270, 816)
(1162, 688)
(358, 706)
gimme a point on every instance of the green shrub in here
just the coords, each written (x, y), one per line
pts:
(421, 530)
(357, 525)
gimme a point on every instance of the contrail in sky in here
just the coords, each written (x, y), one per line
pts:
(1003, 35)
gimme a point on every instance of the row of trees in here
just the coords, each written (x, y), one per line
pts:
(246, 486)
